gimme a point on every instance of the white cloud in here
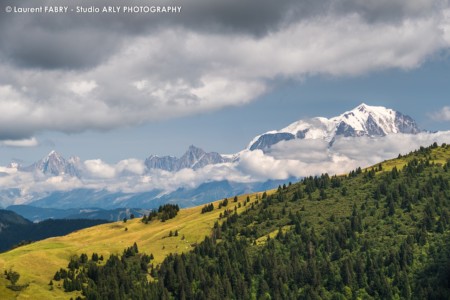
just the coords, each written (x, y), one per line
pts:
(312, 157)
(82, 88)
(442, 115)
(31, 142)
(99, 169)
(188, 178)
(132, 165)
(310, 150)
(141, 84)
(263, 166)
(445, 26)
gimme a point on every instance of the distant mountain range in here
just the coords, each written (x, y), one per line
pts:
(362, 121)
(54, 164)
(194, 158)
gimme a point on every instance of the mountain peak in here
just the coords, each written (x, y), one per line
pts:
(362, 106)
(193, 154)
(193, 148)
(54, 164)
(13, 165)
(363, 120)
(53, 155)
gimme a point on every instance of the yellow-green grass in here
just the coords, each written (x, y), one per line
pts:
(438, 155)
(38, 262)
(263, 239)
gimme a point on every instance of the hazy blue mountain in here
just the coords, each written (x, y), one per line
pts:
(82, 198)
(9, 218)
(204, 193)
(37, 214)
(215, 190)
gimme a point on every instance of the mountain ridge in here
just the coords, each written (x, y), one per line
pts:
(194, 158)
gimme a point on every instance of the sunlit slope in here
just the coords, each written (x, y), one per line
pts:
(437, 155)
(38, 262)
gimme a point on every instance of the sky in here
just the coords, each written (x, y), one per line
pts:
(216, 74)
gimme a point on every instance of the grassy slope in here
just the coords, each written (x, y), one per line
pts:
(38, 262)
(439, 155)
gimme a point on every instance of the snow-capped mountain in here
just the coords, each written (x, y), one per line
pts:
(194, 158)
(54, 164)
(364, 120)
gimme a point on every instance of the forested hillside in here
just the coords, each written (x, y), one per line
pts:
(379, 233)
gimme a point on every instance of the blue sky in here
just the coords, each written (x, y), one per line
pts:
(115, 87)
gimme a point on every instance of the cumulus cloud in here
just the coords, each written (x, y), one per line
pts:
(301, 158)
(131, 166)
(31, 142)
(310, 150)
(132, 177)
(98, 169)
(189, 178)
(442, 115)
(21, 187)
(260, 165)
(82, 88)
(264, 166)
(77, 72)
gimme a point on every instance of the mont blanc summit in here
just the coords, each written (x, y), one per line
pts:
(363, 120)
